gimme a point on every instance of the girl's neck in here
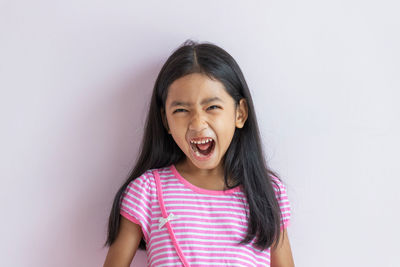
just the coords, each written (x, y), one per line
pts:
(211, 179)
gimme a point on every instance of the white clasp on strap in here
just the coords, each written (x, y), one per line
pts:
(163, 221)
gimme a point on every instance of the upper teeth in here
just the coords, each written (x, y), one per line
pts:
(201, 142)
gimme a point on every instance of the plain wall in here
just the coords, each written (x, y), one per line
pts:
(76, 78)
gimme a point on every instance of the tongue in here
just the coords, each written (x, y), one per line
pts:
(203, 146)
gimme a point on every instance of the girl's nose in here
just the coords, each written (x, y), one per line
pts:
(197, 123)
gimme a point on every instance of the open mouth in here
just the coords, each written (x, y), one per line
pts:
(203, 150)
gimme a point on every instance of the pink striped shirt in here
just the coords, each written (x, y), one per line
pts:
(185, 225)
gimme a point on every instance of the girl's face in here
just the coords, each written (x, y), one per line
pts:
(198, 110)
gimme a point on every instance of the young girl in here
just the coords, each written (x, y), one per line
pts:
(201, 193)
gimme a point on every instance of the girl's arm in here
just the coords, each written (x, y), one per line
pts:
(122, 251)
(282, 255)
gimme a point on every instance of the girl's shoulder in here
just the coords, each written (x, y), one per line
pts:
(146, 179)
(278, 185)
(148, 176)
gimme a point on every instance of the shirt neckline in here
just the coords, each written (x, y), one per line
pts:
(202, 190)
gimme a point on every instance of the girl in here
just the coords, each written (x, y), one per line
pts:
(201, 193)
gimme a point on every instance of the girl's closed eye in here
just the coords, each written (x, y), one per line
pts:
(184, 110)
(179, 110)
(216, 107)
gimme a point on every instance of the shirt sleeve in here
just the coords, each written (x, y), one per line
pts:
(136, 203)
(283, 200)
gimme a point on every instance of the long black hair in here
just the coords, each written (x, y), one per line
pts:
(244, 161)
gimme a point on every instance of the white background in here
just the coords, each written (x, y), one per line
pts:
(76, 77)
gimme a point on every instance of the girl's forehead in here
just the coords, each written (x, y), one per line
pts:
(195, 88)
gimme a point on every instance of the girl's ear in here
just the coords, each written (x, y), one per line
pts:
(241, 113)
(164, 120)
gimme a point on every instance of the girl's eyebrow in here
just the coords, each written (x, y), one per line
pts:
(204, 101)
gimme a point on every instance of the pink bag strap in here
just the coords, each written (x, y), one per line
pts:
(165, 215)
